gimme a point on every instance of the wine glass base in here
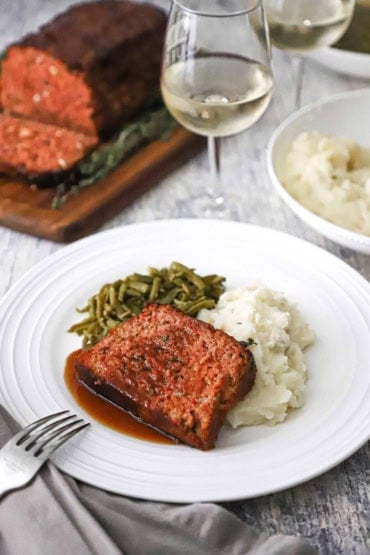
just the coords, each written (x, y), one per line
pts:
(223, 206)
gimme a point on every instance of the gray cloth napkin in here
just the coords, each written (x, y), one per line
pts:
(56, 515)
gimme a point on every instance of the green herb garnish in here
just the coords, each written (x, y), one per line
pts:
(153, 123)
(248, 343)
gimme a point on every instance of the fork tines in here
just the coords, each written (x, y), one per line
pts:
(47, 434)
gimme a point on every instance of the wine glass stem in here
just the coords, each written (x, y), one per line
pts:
(214, 148)
(298, 63)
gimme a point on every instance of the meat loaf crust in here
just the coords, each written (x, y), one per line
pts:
(89, 69)
(175, 373)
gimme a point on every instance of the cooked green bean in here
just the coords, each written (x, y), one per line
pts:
(154, 291)
(124, 298)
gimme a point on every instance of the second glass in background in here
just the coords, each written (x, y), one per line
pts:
(300, 26)
(216, 77)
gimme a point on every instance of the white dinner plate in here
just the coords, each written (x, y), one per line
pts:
(355, 64)
(253, 461)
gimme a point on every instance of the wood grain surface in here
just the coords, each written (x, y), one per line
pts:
(28, 209)
(332, 511)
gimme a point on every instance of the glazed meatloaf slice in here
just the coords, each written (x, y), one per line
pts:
(173, 372)
(39, 151)
(89, 69)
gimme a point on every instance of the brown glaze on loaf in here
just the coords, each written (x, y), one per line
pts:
(89, 69)
(175, 373)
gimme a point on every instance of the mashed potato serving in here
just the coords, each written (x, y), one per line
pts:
(331, 177)
(280, 335)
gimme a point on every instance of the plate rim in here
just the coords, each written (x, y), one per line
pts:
(342, 51)
(330, 57)
(176, 221)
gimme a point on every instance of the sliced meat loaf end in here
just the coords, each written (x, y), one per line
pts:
(89, 69)
(173, 372)
(39, 151)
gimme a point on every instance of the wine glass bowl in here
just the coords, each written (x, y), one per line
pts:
(216, 78)
(223, 94)
(300, 25)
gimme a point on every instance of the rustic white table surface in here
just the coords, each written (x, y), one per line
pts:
(331, 511)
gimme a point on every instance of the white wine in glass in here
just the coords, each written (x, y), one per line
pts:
(299, 26)
(243, 88)
(216, 78)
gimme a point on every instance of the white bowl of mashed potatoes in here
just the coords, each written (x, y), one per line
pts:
(319, 162)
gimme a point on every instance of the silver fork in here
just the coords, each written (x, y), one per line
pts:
(24, 454)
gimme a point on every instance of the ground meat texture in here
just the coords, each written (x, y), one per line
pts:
(89, 69)
(37, 150)
(175, 373)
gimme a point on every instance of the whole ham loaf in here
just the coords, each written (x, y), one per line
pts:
(89, 69)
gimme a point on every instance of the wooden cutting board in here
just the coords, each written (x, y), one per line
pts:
(29, 210)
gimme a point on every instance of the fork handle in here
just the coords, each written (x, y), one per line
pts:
(9, 480)
(5, 485)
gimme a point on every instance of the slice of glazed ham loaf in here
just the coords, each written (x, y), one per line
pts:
(175, 373)
(39, 151)
(89, 69)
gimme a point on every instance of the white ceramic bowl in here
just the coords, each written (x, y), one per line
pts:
(346, 115)
(346, 62)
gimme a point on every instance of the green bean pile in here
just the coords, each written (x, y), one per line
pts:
(116, 302)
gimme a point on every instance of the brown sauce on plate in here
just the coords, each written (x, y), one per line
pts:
(104, 412)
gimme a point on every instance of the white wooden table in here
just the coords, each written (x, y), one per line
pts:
(331, 511)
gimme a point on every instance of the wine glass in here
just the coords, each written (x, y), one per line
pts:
(299, 26)
(216, 78)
